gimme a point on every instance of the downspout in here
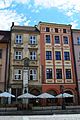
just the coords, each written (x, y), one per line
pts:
(8, 81)
(6, 69)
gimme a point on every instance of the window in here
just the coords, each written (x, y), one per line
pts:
(18, 55)
(17, 74)
(78, 40)
(48, 55)
(49, 73)
(33, 55)
(58, 73)
(65, 39)
(79, 55)
(68, 73)
(32, 39)
(47, 29)
(18, 39)
(33, 74)
(48, 39)
(58, 55)
(66, 56)
(0, 53)
(64, 30)
(57, 41)
(56, 30)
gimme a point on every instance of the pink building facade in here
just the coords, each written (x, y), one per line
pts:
(76, 45)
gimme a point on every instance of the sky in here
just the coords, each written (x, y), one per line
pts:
(31, 12)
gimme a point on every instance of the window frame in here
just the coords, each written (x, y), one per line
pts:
(58, 56)
(59, 73)
(49, 74)
(18, 39)
(66, 56)
(78, 40)
(16, 56)
(48, 55)
(33, 56)
(68, 75)
(33, 74)
(32, 40)
(56, 30)
(16, 73)
(64, 31)
(47, 29)
(57, 39)
(65, 40)
(47, 38)
(0, 53)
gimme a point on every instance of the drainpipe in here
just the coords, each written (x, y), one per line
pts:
(6, 69)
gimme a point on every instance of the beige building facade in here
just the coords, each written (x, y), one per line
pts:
(25, 60)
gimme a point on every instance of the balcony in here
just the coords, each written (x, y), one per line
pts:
(20, 46)
(33, 46)
(33, 63)
(18, 62)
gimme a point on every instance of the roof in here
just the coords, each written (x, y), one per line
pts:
(24, 29)
(75, 30)
(54, 24)
(5, 36)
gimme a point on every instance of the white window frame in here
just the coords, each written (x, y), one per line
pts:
(18, 56)
(33, 56)
(57, 39)
(33, 40)
(17, 74)
(33, 74)
(78, 40)
(18, 39)
(64, 40)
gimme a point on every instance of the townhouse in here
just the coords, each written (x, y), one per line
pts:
(25, 60)
(56, 59)
(76, 46)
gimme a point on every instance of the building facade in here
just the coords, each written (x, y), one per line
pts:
(56, 59)
(25, 60)
(76, 45)
(4, 59)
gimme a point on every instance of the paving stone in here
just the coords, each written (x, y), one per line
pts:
(43, 117)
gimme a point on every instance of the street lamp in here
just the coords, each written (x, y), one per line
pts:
(62, 92)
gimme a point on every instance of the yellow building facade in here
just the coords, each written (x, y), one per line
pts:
(25, 60)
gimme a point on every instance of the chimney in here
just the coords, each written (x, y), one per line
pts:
(12, 24)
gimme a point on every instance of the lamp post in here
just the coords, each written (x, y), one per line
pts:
(62, 92)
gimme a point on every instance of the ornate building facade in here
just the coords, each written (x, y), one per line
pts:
(56, 59)
(25, 60)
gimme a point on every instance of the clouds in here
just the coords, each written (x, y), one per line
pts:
(68, 7)
(9, 16)
(11, 12)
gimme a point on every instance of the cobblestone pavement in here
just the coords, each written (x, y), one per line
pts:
(43, 117)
